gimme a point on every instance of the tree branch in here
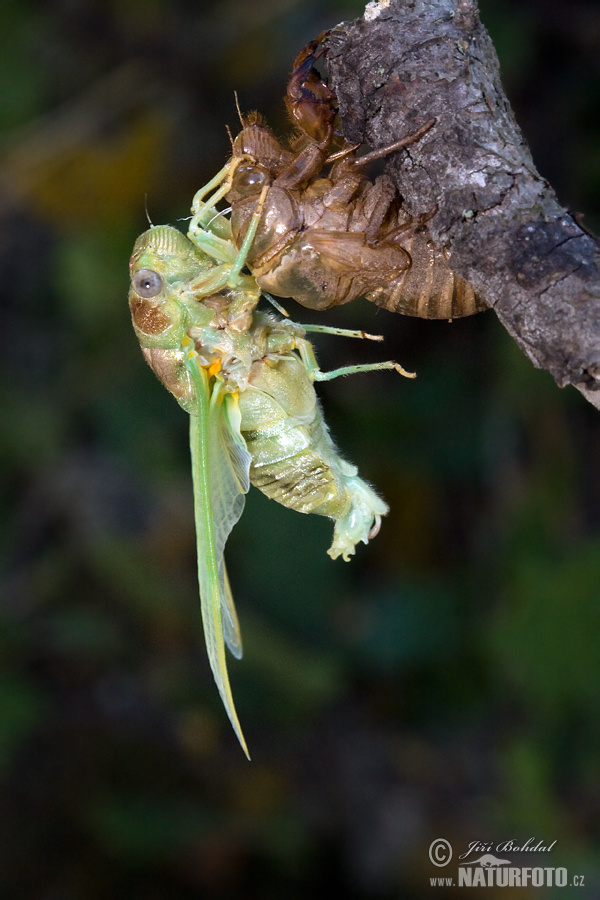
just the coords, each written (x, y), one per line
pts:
(526, 256)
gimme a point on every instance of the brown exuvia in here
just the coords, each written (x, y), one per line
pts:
(327, 238)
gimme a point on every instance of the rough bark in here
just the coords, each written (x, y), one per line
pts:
(525, 255)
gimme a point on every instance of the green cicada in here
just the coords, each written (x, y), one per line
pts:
(246, 379)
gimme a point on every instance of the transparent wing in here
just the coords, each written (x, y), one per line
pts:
(220, 466)
(231, 626)
(229, 466)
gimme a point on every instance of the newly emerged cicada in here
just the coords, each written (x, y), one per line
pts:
(246, 379)
(326, 238)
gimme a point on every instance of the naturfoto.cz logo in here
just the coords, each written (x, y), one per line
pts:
(486, 869)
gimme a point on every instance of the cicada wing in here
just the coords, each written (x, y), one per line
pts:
(218, 466)
(348, 253)
(229, 462)
(231, 626)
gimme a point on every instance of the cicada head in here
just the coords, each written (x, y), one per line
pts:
(171, 253)
(163, 265)
(257, 145)
(163, 262)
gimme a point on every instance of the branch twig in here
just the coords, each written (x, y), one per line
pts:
(525, 255)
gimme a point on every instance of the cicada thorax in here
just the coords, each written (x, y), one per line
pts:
(312, 244)
(279, 224)
(169, 368)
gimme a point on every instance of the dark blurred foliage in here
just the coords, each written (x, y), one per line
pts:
(446, 682)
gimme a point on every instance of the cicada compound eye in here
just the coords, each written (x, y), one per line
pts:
(248, 179)
(147, 283)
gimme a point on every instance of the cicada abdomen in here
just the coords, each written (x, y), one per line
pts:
(428, 287)
(294, 460)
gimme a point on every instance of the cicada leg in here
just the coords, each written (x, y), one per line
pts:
(240, 261)
(209, 229)
(390, 148)
(315, 374)
(223, 249)
(355, 370)
(342, 332)
(310, 102)
(229, 274)
(276, 305)
(223, 175)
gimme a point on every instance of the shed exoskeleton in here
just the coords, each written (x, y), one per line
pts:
(246, 378)
(327, 238)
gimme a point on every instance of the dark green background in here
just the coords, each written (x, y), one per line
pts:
(445, 683)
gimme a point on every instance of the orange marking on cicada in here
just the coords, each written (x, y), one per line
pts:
(214, 368)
